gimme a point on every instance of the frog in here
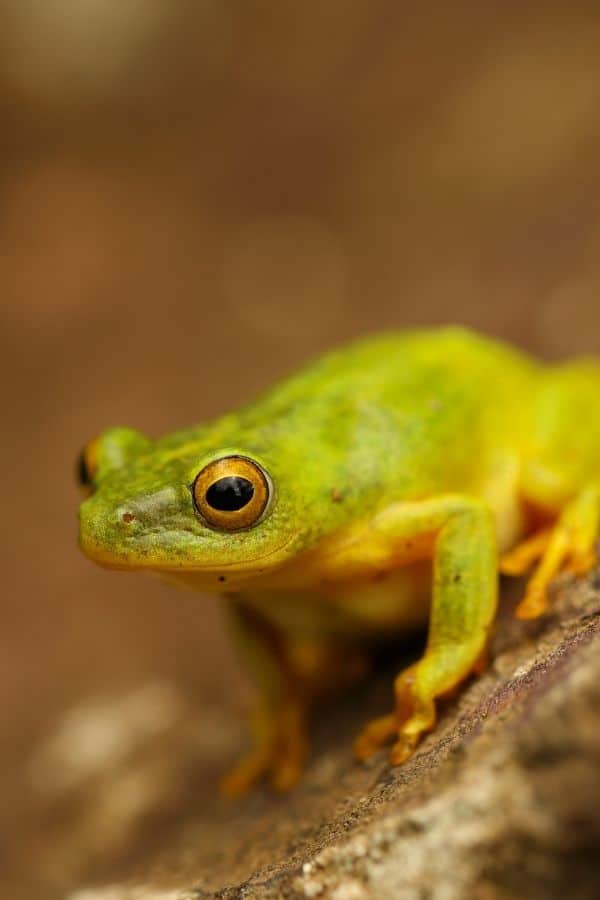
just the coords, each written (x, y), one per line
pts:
(379, 491)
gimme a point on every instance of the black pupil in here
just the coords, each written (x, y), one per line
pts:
(230, 494)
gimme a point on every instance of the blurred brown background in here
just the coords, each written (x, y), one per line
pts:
(197, 197)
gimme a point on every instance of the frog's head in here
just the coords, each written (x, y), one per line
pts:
(183, 508)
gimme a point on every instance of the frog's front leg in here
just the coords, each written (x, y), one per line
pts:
(278, 719)
(465, 586)
(290, 675)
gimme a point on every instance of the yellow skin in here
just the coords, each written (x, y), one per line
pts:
(383, 487)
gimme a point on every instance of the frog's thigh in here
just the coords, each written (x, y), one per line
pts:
(463, 608)
(570, 546)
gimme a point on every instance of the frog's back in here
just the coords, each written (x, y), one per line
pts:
(391, 361)
(414, 413)
(404, 370)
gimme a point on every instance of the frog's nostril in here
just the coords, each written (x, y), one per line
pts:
(127, 517)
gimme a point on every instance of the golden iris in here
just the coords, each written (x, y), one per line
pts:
(231, 493)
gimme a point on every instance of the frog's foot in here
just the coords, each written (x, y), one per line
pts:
(413, 715)
(570, 548)
(279, 755)
(521, 558)
(438, 674)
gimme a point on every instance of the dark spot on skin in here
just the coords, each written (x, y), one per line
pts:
(128, 517)
(222, 578)
(457, 578)
(336, 495)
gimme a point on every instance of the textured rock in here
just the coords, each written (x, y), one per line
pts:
(501, 801)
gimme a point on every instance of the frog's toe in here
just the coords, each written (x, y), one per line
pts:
(282, 767)
(422, 716)
(581, 562)
(246, 773)
(534, 604)
(289, 760)
(410, 718)
(403, 749)
(521, 558)
(286, 773)
(374, 735)
(279, 756)
(407, 734)
(568, 552)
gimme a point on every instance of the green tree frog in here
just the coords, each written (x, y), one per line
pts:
(380, 489)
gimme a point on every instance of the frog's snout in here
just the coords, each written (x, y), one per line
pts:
(101, 536)
(137, 531)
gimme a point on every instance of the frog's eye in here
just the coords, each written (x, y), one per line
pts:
(86, 467)
(232, 493)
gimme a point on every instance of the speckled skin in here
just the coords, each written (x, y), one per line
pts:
(396, 453)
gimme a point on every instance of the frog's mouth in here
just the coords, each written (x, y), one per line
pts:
(151, 559)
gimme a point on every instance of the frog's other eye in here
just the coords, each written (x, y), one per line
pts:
(232, 493)
(86, 468)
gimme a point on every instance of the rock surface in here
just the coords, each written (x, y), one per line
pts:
(501, 801)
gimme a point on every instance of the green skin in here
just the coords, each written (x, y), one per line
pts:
(440, 440)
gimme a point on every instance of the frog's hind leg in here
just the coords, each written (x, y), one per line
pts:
(561, 479)
(570, 546)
